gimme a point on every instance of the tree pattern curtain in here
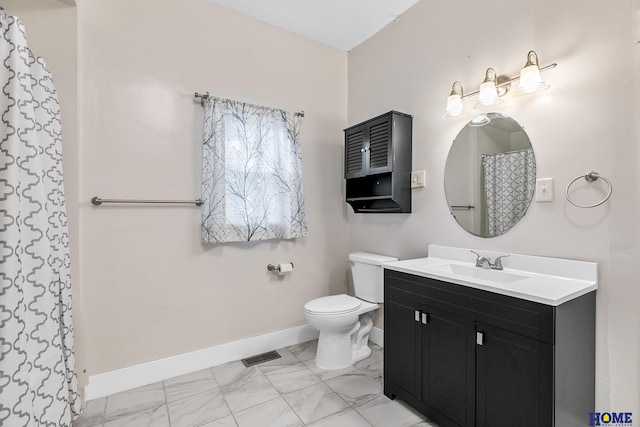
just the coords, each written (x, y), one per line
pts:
(508, 185)
(251, 173)
(38, 383)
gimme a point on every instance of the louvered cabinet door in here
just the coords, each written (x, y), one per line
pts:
(355, 153)
(378, 151)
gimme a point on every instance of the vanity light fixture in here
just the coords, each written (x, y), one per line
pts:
(493, 87)
(454, 101)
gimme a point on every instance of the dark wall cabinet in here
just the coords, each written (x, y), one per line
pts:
(467, 357)
(378, 164)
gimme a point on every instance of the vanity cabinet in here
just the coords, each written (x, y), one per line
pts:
(378, 164)
(469, 357)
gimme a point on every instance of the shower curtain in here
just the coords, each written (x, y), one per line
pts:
(38, 383)
(508, 185)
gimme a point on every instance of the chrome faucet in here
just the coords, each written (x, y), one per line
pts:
(484, 262)
(481, 261)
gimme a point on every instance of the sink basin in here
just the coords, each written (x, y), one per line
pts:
(477, 273)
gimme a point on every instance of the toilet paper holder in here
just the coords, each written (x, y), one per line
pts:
(275, 267)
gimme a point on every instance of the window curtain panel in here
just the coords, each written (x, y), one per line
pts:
(38, 382)
(508, 185)
(251, 173)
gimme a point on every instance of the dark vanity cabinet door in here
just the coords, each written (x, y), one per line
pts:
(403, 363)
(514, 376)
(445, 355)
(426, 361)
(468, 357)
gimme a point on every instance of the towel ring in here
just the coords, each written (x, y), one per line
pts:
(590, 177)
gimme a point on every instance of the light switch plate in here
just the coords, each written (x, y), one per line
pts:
(544, 190)
(418, 179)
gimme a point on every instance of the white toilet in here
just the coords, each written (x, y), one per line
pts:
(344, 321)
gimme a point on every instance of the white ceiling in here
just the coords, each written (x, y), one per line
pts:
(342, 24)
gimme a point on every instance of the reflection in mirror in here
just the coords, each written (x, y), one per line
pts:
(490, 175)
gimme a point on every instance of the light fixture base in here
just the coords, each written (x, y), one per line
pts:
(503, 84)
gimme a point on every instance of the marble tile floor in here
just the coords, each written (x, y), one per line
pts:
(290, 391)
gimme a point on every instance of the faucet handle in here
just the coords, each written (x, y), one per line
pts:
(481, 261)
(497, 264)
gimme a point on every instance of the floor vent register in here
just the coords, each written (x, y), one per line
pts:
(260, 358)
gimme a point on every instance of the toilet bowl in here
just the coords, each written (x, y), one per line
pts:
(345, 321)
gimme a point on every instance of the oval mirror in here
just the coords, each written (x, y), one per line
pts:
(490, 175)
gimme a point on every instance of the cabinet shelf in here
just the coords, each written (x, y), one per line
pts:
(380, 210)
(360, 199)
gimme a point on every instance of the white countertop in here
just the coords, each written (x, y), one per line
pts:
(550, 281)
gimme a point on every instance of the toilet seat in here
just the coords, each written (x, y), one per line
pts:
(333, 304)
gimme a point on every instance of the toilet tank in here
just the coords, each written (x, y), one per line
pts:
(368, 275)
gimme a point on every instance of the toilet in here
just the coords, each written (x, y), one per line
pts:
(344, 321)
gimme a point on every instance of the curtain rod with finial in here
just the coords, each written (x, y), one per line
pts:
(204, 96)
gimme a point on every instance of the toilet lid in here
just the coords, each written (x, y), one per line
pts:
(333, 304)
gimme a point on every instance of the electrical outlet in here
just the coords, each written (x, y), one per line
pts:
(544, 190)
(418, 179)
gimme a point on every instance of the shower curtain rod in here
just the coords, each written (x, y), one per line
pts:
(204, 96)
(97, 201)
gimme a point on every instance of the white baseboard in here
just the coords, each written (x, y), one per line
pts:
(108, 383)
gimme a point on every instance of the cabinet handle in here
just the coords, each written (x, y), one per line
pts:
(417, 315)
(479, 338)
(362, 150)
(425, 318)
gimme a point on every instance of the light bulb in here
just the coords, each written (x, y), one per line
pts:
(454, 105)
(454, 101)
(488, 93)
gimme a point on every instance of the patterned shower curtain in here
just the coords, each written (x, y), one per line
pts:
(38, 383)
(508, 184)
(251, 173)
